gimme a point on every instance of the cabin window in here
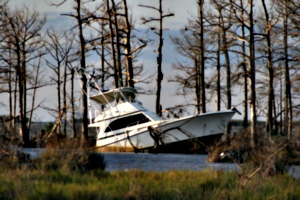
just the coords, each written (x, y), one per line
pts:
(126, 122)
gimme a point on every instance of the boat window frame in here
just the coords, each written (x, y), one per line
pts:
(127, 121)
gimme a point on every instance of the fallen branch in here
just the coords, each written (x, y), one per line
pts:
(58, 121)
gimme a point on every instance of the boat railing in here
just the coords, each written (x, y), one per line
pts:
(117, 101)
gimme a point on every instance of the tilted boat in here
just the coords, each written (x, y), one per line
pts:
(123, 124)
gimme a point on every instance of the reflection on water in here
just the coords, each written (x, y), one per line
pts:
(160, 162)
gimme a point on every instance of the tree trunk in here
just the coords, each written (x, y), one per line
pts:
(129, 66)
(73, 103)
(58, 130)
(113, 51)
(65, 100)
(12, 103)
(288, 116)
(252, 74)
(83, 78)
(202, 58)
(228, 70)
(159, 56)
(34, 91)
(102, 57)
(271, 96)
(159, 61)
(245, 73)
(219, 69)
(197, 85)
(21, 75)
(118, 46)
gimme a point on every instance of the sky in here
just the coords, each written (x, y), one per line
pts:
(182, 10)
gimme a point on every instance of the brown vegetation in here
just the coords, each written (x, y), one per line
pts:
(269, 157)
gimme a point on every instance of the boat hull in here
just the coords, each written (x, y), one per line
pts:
(186, 135)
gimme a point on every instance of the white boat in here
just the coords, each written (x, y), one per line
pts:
(125, 125)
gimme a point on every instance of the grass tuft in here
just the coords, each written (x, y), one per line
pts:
(70, 161)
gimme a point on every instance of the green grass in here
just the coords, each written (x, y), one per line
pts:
(63, 174)
(209, 184)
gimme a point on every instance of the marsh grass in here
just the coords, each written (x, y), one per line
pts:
(69, 160)
(271, 155)
(60, 184)
(74, 174)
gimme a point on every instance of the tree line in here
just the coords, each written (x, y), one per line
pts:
(250, 46)
(247, 45)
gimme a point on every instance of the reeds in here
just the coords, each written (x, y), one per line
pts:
(77, 174)
(69, 161)
(136, 184)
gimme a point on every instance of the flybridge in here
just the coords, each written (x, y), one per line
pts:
(120, 94)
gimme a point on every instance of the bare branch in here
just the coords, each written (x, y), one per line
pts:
(151, 7)
(57, 4)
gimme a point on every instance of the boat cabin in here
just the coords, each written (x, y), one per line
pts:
(121, 110)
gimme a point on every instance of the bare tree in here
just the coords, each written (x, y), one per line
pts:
(82, 44)
(201, 54)
(128, 50)
(244, 65)
(24, 41)
(187, 71)
(55, 50)
(288, 111)
(72, 69)
(118, 43)
(37, 80)
(218, 80)
(223, 25)
(113, 34)
(113, 51)
(159, 32)
(271, 96)
(244, 15)
(61, 50)
(252, 74)
(7, 71)
(192, 75)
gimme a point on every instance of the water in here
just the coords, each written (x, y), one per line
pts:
(294, 171)
(160, 162)
(152, 162)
